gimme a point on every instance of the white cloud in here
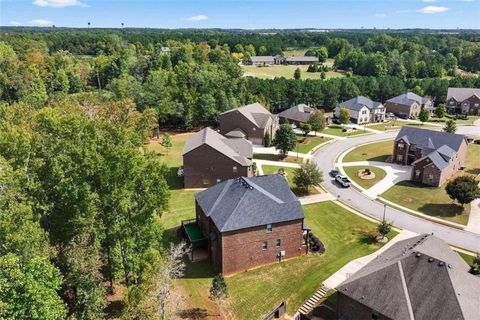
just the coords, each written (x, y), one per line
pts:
(380, 15)
(15, 23)
(199, 17)
(433, 9)
(58, 3)
(41, 22)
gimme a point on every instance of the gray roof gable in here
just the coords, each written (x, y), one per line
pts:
(436, 282)
(255, 113)
(301, 113)
(408, 99)
(359, 102)
(239, 150)
(249, 202)
(430, 139)
(460, 94)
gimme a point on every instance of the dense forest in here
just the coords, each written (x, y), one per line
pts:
(80, 199)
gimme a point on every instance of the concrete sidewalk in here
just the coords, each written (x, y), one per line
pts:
(261, 163)
(365, 128)
(314, 198)
(473, 224)
(353, 266)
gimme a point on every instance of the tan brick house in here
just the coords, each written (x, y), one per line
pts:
(463, 100)
(249, 222)
(408, 105)
(251, 122)
(434, 155)
(209, 158)
(417, 278)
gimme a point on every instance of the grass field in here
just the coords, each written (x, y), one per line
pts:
(366, 184)
(337, 130)
(431, 201)
(378, 151)
(285, 71)
(254, 293)
(312, 142)
(472, 161)
(470, 120)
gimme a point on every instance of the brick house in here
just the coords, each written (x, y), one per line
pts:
(297, 114)
(463, 100)
(251, 122)
(417, 278)
(249, 222)
(408, 104)
(434, 155)
(362, 110)
(209, 158)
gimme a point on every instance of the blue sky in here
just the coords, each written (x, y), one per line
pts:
(252, 14)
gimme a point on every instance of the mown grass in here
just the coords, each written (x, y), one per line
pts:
(431, 201)
(311, 142)
(286, 71)
(290, 172)
(337, 130)
(378, 151)
(276, 157)
(365, 183)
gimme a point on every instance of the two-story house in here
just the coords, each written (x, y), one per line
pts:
(434, 155)
(362, 110)
(408, 105)
(251, 122)
(209, 158)
(463, 100)
(250, 221)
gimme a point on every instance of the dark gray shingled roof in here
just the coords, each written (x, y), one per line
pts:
(430, 139)
(249, 202)
(262, 59)
(408, 99)
(239, 150)
(359, 102)
(301, 59)
(461, 94)
(417, 278)
(256, 113)
(300, 113)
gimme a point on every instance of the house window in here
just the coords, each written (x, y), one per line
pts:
(374, 316)
(269, 227)
(278, 243)
(412, 147)
(430, 176)
(234, 169)
(399, 157)
(218, 180)
(417, 174)
(205, 181)
(264, 245)
(400, 145)
(364, 112)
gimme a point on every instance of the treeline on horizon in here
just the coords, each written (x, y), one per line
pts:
(80, 196)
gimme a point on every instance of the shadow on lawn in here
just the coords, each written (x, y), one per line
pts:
(442, 209)
(199, 270)
(193, 313)
(174, 181)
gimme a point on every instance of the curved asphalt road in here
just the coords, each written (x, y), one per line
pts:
(326, 157)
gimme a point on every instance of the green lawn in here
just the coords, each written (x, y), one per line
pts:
(345, 236)
(378, 151)
(432, 201)
(312, 142)
(276, 157)
(466, 257)
(290, 173)
(472, 161)
(469, 120)
(396, 124)
(337, 130)
(366, 184)
(286, 71)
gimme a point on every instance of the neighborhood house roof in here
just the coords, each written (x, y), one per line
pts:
(460, 94)
(417, 278)
(301, 59)
(408, 99)
(256, 113)
(236, 133)
(359, 102)
(265, 59)
(239, 150)
(300, 113)
(249, 202)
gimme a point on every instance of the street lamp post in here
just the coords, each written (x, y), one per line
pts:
(384, 211)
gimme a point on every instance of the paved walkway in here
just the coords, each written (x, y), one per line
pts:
(314, 198)
(394, 174)
(272, 150)
(473, 224)
(353, 266)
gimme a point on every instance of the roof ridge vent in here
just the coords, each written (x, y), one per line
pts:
(244, 183)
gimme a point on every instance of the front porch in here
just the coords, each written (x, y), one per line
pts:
(193, 233)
